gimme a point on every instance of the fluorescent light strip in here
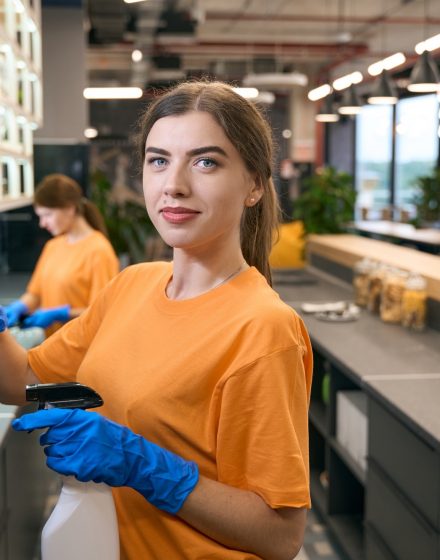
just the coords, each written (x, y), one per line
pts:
(430, 44)
(386, 63)
(247, 92)
(346, 81)
(319, 92)
(112, 93)
(133, 1)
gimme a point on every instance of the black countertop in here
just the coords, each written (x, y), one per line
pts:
(401, 368)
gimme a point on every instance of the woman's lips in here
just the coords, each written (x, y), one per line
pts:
(178, 215)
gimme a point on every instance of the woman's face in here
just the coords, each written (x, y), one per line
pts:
(55, 220)
(195, 183)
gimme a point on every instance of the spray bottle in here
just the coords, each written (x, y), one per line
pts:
(83, 523)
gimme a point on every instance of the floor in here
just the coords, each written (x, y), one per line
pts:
(317, 544)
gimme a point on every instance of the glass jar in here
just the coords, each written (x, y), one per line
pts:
(414, 303)
(376, 279)
(361, 278)
(392, 294)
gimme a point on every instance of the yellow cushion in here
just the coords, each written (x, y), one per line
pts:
(288, 251)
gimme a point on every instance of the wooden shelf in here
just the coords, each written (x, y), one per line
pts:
(346, 250)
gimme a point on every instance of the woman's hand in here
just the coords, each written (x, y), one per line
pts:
(15, 311)
(46, 317)
(91, 447)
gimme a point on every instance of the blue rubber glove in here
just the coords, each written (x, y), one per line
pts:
(14, 311)
(46, 317)
(91, 447)
(3, 319)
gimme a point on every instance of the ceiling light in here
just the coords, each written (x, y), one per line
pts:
(112, 93)
(347, 80)
(136, 55)
(430, 44)
(265, 97)
(327, 112)
(385, 91)
(276, 79)
(90, 132)
(351, 104)
(386, 63)
(424, 76)
(247, 92)
(319, 92)
(133, 1)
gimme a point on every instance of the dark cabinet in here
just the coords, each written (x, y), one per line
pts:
(403, 483)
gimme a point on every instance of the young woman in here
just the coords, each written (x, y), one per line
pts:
(205, 373)
(74, 266)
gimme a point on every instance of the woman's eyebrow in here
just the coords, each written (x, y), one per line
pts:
(205, 149)
(152, 149)
(194, 152)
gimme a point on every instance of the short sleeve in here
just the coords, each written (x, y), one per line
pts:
(262, 442)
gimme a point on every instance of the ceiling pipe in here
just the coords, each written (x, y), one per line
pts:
(228, 16)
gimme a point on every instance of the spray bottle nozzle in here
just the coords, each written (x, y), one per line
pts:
(63, 395)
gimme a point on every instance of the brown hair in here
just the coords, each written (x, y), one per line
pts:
(250, 134)
(60, 191)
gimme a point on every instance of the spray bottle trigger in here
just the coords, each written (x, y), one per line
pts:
(63, 395)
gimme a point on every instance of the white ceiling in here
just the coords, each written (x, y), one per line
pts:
(322, 38)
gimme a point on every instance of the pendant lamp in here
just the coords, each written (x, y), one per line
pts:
(327, 111)
(425, 75)
(385, 92)
(351, 104)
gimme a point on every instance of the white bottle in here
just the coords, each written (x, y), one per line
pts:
(83, 524)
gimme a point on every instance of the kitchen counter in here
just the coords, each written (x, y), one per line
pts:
(361, 348)
(399, 366)
(413, 398)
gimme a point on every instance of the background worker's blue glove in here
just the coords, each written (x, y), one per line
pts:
(3, 319)
(46, 317)
(91, 447)
(14, 312)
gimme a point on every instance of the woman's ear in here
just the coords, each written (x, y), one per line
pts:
(254, 195)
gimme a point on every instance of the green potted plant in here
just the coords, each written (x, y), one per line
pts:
(327, 202)
(129, 227)
(427, 200)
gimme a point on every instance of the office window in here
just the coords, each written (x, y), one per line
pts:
(374, 126)
(416, 144)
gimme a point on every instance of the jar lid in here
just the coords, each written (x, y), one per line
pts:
(416, 282)
(365, 265)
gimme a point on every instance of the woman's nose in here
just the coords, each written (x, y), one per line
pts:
(177, 182)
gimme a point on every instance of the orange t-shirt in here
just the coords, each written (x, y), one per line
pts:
(222, 379)
(73, 273)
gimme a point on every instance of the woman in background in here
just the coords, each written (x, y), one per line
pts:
(74, 266)
(205, 373)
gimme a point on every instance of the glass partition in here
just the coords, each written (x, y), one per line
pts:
(417, 144)
(374, 125)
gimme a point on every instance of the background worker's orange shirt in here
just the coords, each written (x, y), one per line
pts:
(222, 379)
(73, 273)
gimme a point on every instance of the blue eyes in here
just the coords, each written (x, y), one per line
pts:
(203, 163)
